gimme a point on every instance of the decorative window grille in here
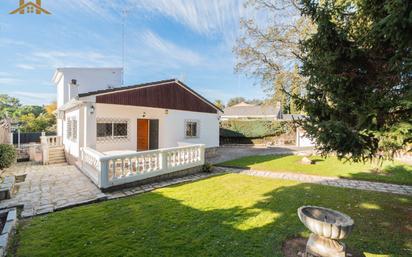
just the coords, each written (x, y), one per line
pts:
(71, 129)
(112, 130)
(74, 130)
(68, 129)
(191, 128)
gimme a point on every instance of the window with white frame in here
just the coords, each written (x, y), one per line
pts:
(191, 128)
(111, 129)
(71, 129)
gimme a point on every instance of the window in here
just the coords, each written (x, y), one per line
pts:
(191, 128)
(112, 129)
(68, 129)
(71, 129)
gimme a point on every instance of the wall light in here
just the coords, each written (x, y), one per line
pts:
(92, 109)
(144, 114)
(166, 111)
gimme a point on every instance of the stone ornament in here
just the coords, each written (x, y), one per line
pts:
(327, 227)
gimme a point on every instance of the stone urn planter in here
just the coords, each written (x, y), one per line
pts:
(327, 227)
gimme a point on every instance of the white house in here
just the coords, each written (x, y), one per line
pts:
(118, 134)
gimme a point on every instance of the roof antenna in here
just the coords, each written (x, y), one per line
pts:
(124, 14)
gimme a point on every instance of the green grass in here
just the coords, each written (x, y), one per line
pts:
(393, 172)
(227, 215)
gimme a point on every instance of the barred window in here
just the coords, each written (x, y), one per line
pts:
(191, 129)
(71, 129)
(112, 129)
(68, 129)
(74, 130)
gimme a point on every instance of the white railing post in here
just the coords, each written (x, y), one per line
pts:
(104, 174)
(163, 160)
(202, 154)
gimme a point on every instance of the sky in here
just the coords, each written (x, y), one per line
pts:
(188, 40)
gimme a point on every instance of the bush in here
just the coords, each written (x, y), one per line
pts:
(7, 156)
(207, 167)
(254, 128)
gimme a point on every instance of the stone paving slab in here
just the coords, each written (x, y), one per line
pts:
(329, 181)
(50, 187)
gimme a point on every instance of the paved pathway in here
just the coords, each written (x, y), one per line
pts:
(50, 187)
(329, 181)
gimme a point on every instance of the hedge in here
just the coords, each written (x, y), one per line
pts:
(254, 128)
(7, 156)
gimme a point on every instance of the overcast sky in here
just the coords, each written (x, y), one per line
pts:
(188, 40)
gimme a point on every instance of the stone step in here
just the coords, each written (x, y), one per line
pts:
(56, 161)
(56, 151)
(56, 155)
(6, 187)
(61, 158)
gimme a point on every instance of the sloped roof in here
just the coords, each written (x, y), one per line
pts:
(165, 97)
(252, 110)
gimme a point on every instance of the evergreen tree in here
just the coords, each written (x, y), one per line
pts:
(359, 64)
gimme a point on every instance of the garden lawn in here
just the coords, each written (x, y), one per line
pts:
(225, 215)
(393, 172)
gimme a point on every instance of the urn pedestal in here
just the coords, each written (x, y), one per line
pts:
(327, 227)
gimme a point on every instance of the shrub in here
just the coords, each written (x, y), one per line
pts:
(207, 167)
(7, 156)
(254, 128)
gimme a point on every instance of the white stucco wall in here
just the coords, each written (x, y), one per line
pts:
(171, 126)
(302, 140)
(208, 130)
(88, 79)
(130, 113)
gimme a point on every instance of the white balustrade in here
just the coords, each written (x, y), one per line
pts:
(51, 141)
(119, 169)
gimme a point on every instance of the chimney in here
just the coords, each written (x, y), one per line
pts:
(73, 89)
(38, 2)
(22, 9)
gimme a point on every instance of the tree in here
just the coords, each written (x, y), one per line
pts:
(36, 110)
(255, 101)
(219, 104)
(296, 83)
(358, 63)
(8, 106)
(235, 100)
(279, 95)
(31, 123)
(269, 53)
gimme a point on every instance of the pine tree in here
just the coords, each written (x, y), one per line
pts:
(359, 64)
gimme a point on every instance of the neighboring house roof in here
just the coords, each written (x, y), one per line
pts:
(168, 94)
(248, 110)
(293, 117)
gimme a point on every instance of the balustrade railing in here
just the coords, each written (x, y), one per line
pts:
(117, 169)
(51, 141)
(48, 142)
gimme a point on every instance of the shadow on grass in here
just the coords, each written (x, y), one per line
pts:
(185, 220)
(397, 174)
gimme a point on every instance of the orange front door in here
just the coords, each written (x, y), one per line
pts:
(142, 135)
